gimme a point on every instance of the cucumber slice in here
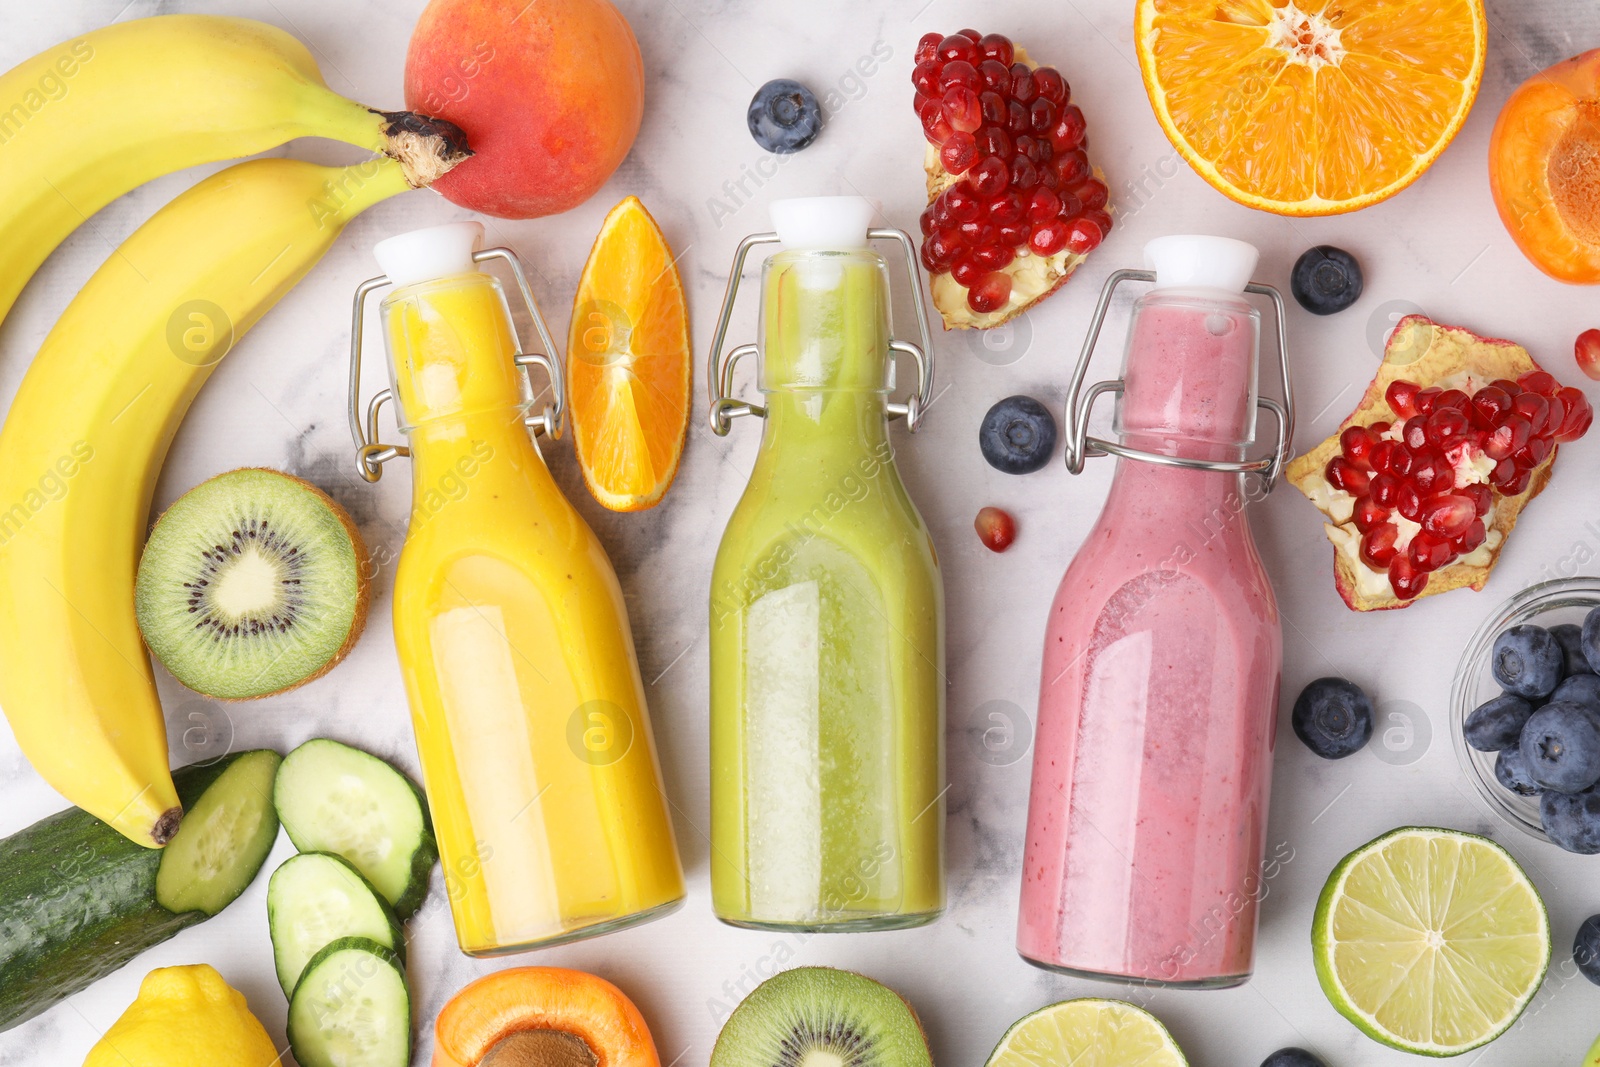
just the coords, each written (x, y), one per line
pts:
(223, 839)
(351, 1008)
(313, 900)
(334, 798)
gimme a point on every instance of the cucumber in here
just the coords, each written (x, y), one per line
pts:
(351, 1008)
(334, 798)
(317, 898)
(78, 900)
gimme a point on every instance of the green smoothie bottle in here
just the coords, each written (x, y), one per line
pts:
(827, 609)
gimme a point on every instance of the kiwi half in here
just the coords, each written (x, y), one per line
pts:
(821, 1017)
(251, 584)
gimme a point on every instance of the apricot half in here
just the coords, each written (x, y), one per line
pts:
(1544, 169)
(542, 1017)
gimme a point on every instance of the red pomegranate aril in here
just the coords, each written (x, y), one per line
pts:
(970, 34)
(1405, 579)
(1369, 514)
(1084, 236)
(1017, 119)
(1043, 205)
(957, 47)
(1069, 128)
(1071, 206)
(1481, 495)
(1446, 424)
(1475, 535)
(1024, 174)
(1449, 516)
(1101, 219)
(962, 109)
(1384, 489)
(1428, 552)
(994, 257)
(1042, 115)
(992, 107)
(1504, 471)
(1028, 147)
(989, 177)
(960, 73)
(1402, 398)
(1511, 387)
(1052, 86)
(1518, 484)
(1385, 453)
(925, 220)
(1533, 453)
(1050, 237)
(1415, 433)
(1355, 444)
(963, 204)
(1346, 476)
(966, 271)
(1491, 402)
(1542, 382)
(1006, 208)
(990, 294)
(1092, 194)
(994, 141)
(1023, 88)
(1426, 399)
(925, 76)
(997, 47)
(1014, 234)
(1072, 166)
(1378, 546)
(927, 46)
(1432, 474)
(996, 77)
(958, 153)
(1408, 502)
(1513, 432)
(976, 233)
(1580, 415)
(930, 262)
(1533, 407)
(1586, 350)
(1452, 398)
(935, 127)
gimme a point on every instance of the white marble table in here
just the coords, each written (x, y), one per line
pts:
(279, 401)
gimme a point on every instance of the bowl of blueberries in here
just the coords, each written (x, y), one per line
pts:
(1526, 704)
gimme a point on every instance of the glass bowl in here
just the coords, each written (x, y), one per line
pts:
(1547, 604)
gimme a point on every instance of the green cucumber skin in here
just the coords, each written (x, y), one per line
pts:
(78, 901)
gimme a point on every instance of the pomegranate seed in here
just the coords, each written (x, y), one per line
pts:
(1452, 398)
(934, 126)
(1402, 398)
(994, 257)
(925, 220)
(1580, 415)
(996, 529)
(962, 109)
(960, 73)
(1408, 502)
(925, 76)
(1014, 234)
(1092, 194)
(1432, 474)
(992, 106)
(1028, 146)
(1429, 552)
(1382, 455)
(957, 47)
(1504, 471)
(996, 77)
(1346, 476)
(1042, 115)
(1068, 131)
(1043, 204)
(970, 34)
(928, 46)
(1511, 387)
(1481, 495)
(1100, 218)
(963, 205)
(966, 271)
(1378, 546)
(1415, 432)
(1405, 579)
(1016, 119)
(989, 177)
(1047, 176)
(1542, 382)
(1084, 236)
(1006, 208)
(1426, 399)
(1071, 206)
(1491, 403)
(1049, 237)
(976, 233)
(1072, 166)
(1446, 424)
(1475, 535)
(1384, 489)
(1533, 453)
(1586, 350)
(1449, 516)
(994, 141)
(1518, 483)
(1356, 446)
(1023, 88)
(990, 294)
(998, 48)
(930, 262)
(1052, 86)
(959, 151)
(1535, 408)
(1513, 432)
(1024, 174)
(939, 252)
(1369, 514)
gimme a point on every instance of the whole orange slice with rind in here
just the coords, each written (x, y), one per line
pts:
(628, 363)
(1310, 108)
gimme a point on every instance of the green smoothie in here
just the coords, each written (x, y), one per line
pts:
(827, 633)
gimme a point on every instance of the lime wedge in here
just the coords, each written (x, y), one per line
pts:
(1593, 1058)
(1430, 941)
(1088, 1033)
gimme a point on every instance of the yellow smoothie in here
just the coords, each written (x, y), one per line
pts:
(514, 642)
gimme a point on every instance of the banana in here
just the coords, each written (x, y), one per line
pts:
(94, 117)
(84, 443)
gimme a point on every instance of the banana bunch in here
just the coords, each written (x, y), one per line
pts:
(95, 117)
(81, 448)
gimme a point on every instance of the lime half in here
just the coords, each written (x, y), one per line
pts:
(1593, 1058)
(1088, 1033)
(1430, 941)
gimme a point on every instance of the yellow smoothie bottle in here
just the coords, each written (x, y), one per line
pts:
(510, 626)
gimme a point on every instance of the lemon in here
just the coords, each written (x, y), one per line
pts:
(1088, 1033)
(1430, 941)
(185, 1017)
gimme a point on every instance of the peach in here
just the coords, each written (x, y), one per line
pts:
(550, 95)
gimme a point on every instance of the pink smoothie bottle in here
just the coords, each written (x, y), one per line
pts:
(1163, 654)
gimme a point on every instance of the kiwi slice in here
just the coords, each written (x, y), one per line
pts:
(251, 584)
(821, 1017)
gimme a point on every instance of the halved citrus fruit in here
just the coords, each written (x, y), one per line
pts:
(628, 367)
(1310, 108)
(1088, 1033)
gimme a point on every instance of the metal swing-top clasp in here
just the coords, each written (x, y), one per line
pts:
(371, 453)
(1080, 446)
(725, 407)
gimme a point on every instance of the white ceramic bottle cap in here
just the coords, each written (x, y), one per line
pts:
(1196, 261)
(823, 223)
(434, 252)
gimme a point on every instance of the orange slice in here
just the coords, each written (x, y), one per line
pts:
(1313, 107)
(628, 369)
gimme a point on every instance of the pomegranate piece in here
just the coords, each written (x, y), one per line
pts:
(1402, 398)
(1346, 476)
(996, 529)
(1405, 579)
(1448, 516)
(1356, 445)
(1369, 514)
(1378, 546)
(1586, 350)
(1428, 552)
(990, 292)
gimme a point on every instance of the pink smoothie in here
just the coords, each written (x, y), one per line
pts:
(1159, 688)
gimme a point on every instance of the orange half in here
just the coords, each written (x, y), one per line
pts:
(1310, 108)
(628, 363)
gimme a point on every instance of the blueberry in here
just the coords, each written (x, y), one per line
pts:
(1579, 689)
(1527, 661)
(1018, 435)
(1589, 639)
(1586, 949)
(1333, 717)
(1561, 745)
(1325, 280)
(1497, 724)
(1292, 1057)
(1572, 820)
(784, 116)
(1511, 771)
(1569, 635)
